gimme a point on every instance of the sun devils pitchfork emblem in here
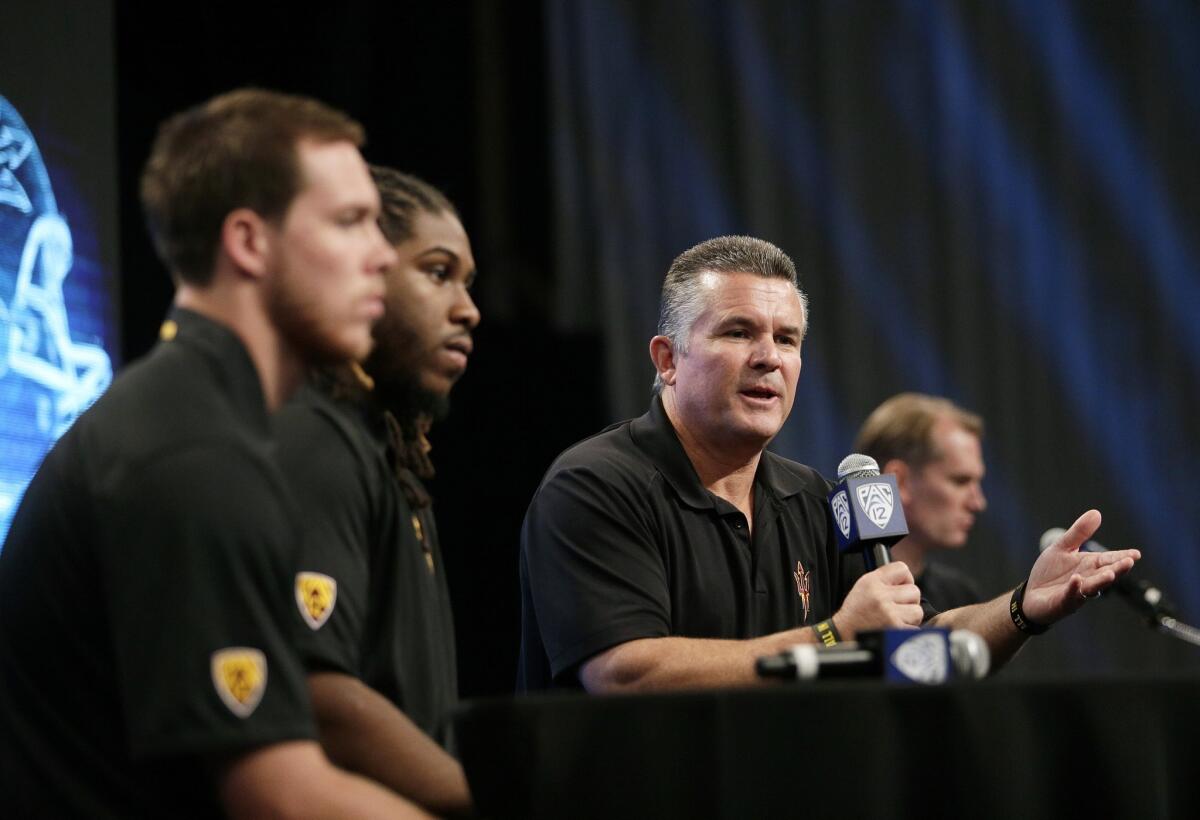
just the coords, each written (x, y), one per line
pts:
(803, 587)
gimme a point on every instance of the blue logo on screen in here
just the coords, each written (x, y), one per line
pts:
(46, 378)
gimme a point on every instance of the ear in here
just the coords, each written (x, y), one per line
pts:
(903, 474)
(246, 241)
(662, 353)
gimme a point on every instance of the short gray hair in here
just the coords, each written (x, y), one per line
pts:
(683, 294)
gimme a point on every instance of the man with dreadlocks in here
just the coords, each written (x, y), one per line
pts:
(377, 632)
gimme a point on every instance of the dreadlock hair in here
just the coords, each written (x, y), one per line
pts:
(402, 197)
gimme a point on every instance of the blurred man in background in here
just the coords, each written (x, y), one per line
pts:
(934, 448)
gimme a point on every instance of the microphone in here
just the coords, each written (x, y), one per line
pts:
(810, 661)
(866, 509)
(925, 656)
(1142, 595)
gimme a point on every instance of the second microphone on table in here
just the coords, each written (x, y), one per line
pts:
(926, 656)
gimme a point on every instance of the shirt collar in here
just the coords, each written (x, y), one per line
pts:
(226, 355)
(654, 434)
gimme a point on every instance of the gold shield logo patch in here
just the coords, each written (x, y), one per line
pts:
(316, 595)
(239, 674)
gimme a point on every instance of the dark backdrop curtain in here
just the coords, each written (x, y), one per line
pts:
(994, 201)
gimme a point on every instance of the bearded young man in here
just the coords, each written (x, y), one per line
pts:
(148, 667)
(377, 633)
(673, 550)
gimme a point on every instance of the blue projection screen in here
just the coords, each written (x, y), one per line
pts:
(58, 318)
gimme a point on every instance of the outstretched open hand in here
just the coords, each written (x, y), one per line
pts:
(1064, 578)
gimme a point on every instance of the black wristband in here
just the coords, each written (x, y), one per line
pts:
(827, 633)
(1019, 619)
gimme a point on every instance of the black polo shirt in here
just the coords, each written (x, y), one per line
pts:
(622, 542)
(143, 619)
(383, 613)
(948, 588)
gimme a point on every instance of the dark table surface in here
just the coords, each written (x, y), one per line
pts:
(1114, 748)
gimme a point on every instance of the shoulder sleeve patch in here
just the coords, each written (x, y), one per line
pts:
(316, 595)
(239, 674)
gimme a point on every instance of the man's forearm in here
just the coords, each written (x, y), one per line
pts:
(992, 622)
(295, 780)
(885, 597)
(364, 732)
(663, 664)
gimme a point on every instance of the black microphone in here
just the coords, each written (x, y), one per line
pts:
(866, 510)
(1142, 595)
(927, 656)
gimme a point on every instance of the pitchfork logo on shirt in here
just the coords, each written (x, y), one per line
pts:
(841, 512)
(875, 499)
(803, 587)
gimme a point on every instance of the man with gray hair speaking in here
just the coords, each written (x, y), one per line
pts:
(673, 550)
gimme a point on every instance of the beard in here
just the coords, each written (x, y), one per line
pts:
(407, 399)
(396, 371)
(299, 323)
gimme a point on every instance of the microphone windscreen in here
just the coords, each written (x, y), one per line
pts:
(856, 465)
(1049, 537)
(970, 655)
